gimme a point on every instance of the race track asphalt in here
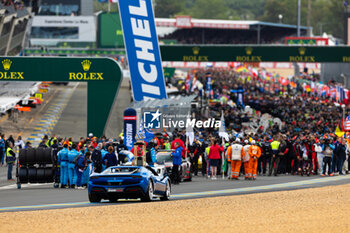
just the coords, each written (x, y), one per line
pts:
(44, 196)
(73, 121)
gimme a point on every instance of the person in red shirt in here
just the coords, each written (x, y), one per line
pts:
(138, 150)
(214, 156)
(94, 142)
(181, 143)
(81, 143)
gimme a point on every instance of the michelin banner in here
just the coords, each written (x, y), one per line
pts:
(141, 43)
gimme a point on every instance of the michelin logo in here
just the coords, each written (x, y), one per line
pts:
(152, 120)
(141, 43)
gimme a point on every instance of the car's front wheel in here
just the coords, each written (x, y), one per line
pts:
(149, 193)
(93, 197)
(167, 192)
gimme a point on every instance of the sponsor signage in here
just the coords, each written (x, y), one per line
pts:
(194, 55)
(129, 127)
(103, 76)
(319, 41)
(7, 74)
(141, 43)
(240, 53)
(158, 121)
(302, 57)
(183, 21)
(86, 64)
(86, 26)
(248, 57)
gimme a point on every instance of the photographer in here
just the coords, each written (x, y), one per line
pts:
(319, 149)
(327, 160)
(283, 151)
(194, 156)
(265, 157)
(306, 157)
(298, 156)
(341, 156)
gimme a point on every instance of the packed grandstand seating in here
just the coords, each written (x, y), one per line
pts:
(225, 36)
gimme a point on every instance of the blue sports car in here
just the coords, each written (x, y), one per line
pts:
(129, 182)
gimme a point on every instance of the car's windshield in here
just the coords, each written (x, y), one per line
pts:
(121, 170)
(163, 157)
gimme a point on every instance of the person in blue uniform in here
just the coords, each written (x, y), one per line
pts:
(177, 158)
(103, 153)
(88, 167)
(63, 161)
(71, 166)
(80, 167)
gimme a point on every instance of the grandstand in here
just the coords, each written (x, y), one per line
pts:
(14, 19)
(186, 30)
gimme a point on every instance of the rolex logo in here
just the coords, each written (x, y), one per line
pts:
(195, 50)
(302, 51)
(249, 51)
(86, 65)
(6, 64)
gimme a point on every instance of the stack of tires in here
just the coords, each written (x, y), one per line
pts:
(36, 165)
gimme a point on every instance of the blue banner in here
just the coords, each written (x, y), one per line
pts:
(129, 127)
(141, 43)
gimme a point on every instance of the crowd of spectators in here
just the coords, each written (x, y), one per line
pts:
(308, 120)
(225, 36)
(304, 141)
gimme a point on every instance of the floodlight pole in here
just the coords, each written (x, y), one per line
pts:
(298, 23)
(309, 18)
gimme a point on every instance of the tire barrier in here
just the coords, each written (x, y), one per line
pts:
(43, 155)
(49, 175)
(40, 175)
(35, 175)
(37, 165)
(36, 156)
(23, 175)
(32, 175)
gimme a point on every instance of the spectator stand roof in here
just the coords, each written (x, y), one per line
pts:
(221, 24)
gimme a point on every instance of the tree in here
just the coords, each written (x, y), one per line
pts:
(99, 6)
(334, 18)
(246, 10)
(168, 8)
(287, 8)
(325, 14)
(213, 9)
